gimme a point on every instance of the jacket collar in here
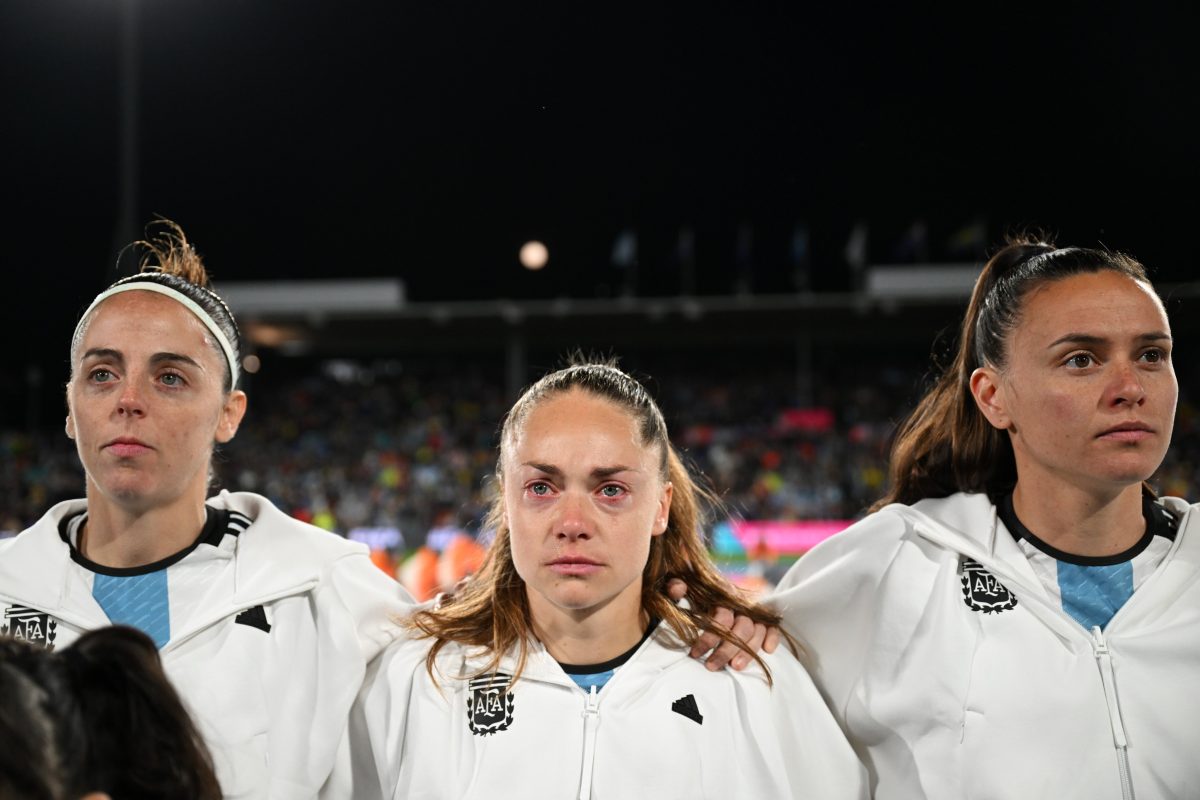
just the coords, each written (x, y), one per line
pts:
(277, 556)
(656, 654)
(35, 567)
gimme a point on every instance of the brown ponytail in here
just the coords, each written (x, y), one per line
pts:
(946, 445)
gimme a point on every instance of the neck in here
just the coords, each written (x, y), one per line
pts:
(592, 635)
(121, 537)
(1079, 522)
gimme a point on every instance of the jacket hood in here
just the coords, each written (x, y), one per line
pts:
(42, 588)
(277, 555)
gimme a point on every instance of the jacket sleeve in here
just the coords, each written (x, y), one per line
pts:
(351, 616)
(790, 745)
(381, 715)
(830, 598)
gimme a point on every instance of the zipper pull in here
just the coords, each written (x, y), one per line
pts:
(592, 708)
(1099, 646)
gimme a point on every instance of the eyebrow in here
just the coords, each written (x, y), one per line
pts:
(598, 472)
(1092, 339)
(158, 358)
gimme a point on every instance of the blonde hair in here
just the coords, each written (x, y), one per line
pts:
(491, 612)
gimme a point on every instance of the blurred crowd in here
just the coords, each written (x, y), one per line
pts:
(350, 447)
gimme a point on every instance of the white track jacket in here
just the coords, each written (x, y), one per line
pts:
(955, 675)
(272, 705)
(663, 727)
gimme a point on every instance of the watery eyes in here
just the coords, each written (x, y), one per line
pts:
(609, 491)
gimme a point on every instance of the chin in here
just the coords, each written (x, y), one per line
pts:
(129, 495)
(1123, 478)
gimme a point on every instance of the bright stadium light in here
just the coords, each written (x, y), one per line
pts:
(534, 255)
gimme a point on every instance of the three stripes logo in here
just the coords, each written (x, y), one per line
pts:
(686, 706)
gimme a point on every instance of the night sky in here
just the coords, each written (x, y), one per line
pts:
(429, 140)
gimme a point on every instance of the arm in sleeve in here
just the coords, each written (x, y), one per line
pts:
(791, 745)
(829, 600)
(326, 640)
(381, 716)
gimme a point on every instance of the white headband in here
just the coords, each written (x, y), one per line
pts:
(183, 299)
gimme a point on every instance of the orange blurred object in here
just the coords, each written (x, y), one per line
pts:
(462, 557)
(383, 559)
(418, 574)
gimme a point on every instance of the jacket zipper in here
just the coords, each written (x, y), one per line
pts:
(1109, 679)
(1099, 650)
(591, 720)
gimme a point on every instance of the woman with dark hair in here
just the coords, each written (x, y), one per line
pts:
(265, 624)
(1020, 616)
(98, 718)
(562, 669)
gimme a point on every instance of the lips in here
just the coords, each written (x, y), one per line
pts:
(1133, 431)
(574, 565)
(127, 447)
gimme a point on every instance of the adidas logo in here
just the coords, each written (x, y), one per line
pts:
(255, 617)
(687, 707)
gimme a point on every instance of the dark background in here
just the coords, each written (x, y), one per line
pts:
(429, 140)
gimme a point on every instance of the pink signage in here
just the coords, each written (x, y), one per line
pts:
(786, 537)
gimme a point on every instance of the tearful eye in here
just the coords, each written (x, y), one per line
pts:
(612, 491)
(539, 489)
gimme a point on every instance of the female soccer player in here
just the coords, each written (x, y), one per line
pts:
(265, 624)
(562, 669)
(1021, 615)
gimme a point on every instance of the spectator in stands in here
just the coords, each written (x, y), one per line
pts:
(561, 668)
(97, 719)
(265, 624)
(1020, 617)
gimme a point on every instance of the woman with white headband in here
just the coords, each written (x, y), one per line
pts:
(265, 624)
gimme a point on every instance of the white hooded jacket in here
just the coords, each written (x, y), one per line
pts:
(662, 727)
(955, 675)
(271, 704)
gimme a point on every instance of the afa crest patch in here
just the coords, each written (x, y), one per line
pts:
(490, 704)
(982, 592)
(30, 624)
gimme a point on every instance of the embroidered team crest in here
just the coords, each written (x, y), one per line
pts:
(490, 704)
(29, 624)
(981, 590)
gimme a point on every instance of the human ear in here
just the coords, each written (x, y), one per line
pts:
(231, 416)
(664, 510)
(70, 424)
(988, 391)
